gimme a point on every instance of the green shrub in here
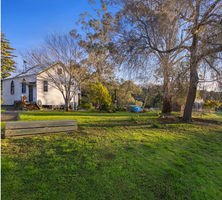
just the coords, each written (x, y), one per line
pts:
(104, 107)
(114, 110)
(125, 109)
(211, 104)
(91, 106)
(84, 105)
(110, 111)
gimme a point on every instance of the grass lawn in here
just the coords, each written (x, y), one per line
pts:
(110, 157)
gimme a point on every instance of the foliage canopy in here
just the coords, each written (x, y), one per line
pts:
(7, 62)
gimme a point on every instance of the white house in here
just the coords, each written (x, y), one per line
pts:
(209, 86)
(32, 84)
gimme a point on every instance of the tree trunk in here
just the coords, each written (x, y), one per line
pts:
(187, 115)
(144, 103)
(167, 103)
(67, 102)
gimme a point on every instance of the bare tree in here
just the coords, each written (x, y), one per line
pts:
(64, 50)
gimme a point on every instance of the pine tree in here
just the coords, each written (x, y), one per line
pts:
(7, 62)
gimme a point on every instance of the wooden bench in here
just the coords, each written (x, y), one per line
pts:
(28, 128)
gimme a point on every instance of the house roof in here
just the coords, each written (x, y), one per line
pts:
(31, 71)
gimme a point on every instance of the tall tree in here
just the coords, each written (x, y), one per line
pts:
(7, 62)
(96, 42)
(204, 34)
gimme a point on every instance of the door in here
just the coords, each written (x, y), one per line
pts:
(30, 93)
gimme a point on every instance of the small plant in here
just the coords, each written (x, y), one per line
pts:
(91, 106)
(125, 109)
(110, 111)
(156, 125)
(135, 119)
(117, 108)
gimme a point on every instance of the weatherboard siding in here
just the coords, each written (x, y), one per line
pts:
(8, 98)
(52, 97)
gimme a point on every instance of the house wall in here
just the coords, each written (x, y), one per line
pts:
(8, 98)
(53, 96)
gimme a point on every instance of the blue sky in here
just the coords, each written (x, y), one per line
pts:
(26, 22)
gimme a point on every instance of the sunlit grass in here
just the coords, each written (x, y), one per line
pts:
(111, 157)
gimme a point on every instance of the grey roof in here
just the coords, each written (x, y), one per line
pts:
(31, 71)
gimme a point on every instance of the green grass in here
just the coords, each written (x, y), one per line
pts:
(3, 109)
(111, 157)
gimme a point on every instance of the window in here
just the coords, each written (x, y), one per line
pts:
(45, 86)
(23, 86)
(12, 87)
(59, 70)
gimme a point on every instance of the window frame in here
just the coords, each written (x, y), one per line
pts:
(23, 86)
(59, 71)
(45, 86)
(12, 87)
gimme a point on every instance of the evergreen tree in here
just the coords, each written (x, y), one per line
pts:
(100, 95)
(7, 62)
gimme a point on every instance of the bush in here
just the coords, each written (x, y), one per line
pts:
(91, 106)
(211, 104)
(112, 108)
(125, 109)
(104, 107)
(84, 105)
(117, 109)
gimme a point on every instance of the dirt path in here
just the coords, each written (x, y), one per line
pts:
(10, 114)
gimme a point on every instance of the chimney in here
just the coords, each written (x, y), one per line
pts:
(24, 66)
